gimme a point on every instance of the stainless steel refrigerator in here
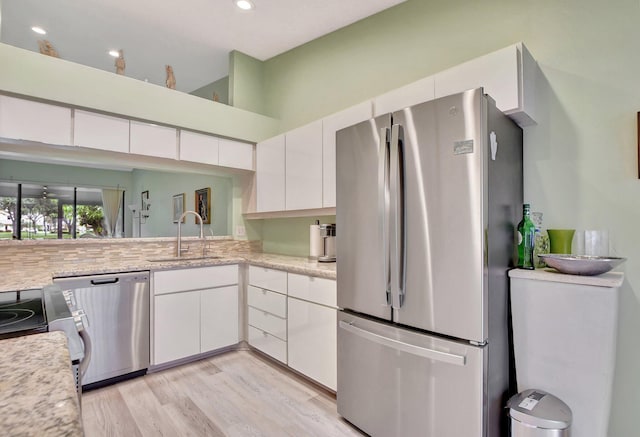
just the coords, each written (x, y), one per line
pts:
(427, 202)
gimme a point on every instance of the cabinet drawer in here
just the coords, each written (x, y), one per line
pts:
(318, 290)
(270, 279)
(266, 300)
(268, 344)
(268, 322)
(171, 281)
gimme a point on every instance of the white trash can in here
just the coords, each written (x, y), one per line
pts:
(536, 413)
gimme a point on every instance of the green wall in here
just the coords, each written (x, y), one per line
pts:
(20, 171)
(162, 186)
(289, 236)
(246, 85)
(220, 87)
(580, 160)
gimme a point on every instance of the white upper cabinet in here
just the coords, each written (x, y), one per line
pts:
(403, 97)
(197, 147)
(34, 121)
(330, 125)
(153, 140)
(507, 75)
(270, 178)
(236, 154)
(303, 184)
(99, 131)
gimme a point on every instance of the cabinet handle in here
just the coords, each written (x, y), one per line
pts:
(264, 291)
(265, 313)
(264, 333)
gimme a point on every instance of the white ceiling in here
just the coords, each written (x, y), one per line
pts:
(194, 36)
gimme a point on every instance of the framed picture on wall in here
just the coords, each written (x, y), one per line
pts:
(203, 204)
(144, 204)
(178, 207)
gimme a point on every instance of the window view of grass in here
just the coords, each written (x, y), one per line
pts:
(48, 213)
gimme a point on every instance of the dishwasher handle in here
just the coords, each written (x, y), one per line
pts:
(105, 282)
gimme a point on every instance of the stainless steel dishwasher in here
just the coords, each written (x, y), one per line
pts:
(117, 308)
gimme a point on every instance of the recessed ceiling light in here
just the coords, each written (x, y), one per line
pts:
(39, 30)
(114, 53)
(245, 5)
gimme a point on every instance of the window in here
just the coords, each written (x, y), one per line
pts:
(36, 211)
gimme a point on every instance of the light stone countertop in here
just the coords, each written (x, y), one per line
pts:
(609, 279)
(29, 278)
(37, 390)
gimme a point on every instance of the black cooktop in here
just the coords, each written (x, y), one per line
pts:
(21, 313)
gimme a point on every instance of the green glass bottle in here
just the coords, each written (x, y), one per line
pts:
(526, 239)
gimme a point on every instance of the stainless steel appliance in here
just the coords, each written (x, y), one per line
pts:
(328, 236)
(33, 311)
(427, 201)
(117, 306)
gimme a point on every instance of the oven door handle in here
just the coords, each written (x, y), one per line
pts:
(86, 339)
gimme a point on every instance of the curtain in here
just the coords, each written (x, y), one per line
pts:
(111, 200)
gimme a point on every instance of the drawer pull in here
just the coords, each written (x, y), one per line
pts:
(265, 313)
(265, 333)
(264, 291)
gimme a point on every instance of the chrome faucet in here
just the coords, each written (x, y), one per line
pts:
(179, 242)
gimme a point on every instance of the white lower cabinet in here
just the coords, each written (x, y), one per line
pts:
(218, 318)
(311, 329)
(194, 311)
(311, 340)
(176, 330)
(292, 318)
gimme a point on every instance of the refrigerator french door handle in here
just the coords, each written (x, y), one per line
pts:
(383, 207)
(445, 357)
(396, 213)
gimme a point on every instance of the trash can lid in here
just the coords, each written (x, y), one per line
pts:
(540, 409)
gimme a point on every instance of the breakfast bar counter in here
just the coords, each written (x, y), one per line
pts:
(37, 390)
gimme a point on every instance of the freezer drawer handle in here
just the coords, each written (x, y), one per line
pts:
(445, 357)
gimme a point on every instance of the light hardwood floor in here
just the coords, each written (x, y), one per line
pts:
(234, 394)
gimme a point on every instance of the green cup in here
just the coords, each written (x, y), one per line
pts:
(560, 240)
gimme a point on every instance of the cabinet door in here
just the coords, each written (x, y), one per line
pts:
(330, 125)
(218, 318)
(312, 341)
(34, 121)
(176, 326)
(100, 131)
(270, 174)
(153, 140)
(196, 147)
(303, 185)
(416, 92)
(497, 72)
(236, 154)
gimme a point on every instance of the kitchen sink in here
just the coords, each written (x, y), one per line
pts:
(184, 258)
